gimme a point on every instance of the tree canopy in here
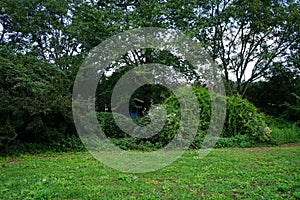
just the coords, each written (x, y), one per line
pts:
(255, 44)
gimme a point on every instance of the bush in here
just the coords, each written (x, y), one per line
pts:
(66, 144)
(285, 135)
(109, 126)
(127, 142)
(242, 118)
(292, 111)
(35, 101)
(244, 125)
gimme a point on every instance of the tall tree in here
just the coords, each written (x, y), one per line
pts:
(41, 28)
(244, 37)
(249, 36)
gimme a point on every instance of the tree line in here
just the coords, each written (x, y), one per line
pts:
(43, 43)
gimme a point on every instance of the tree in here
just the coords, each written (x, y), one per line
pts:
(41, 28)
(277, 94)
(149, 94)
(251, 33)
(243, 37)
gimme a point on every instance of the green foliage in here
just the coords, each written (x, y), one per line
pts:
(283, 131)
(244, 125)
(44, 42)
(8, 133)
(285, 135)
(66, 144)
(40, 28)
(237, 141)
(292, 111)
(242, 118)
(240, 34)
(277, 95)
(108, 125)
(35, 100)
(127, 142)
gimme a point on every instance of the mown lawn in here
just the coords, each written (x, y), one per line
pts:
(253, 173)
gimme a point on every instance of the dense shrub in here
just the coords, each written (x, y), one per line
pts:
(277, 94)
(125, 141)
(292, 110)
(109, 126)
(244, 125)
(67, 144)
(242, 118)
(35, 101)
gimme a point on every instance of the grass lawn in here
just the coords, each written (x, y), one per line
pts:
(253, 173)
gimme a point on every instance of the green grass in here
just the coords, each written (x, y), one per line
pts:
(283, 131)
(251, 173)
(285, 135)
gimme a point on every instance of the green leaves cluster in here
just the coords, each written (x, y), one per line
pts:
(35, 100)
(244, 124)
(242, 118)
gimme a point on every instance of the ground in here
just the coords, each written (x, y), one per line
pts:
(232, 173)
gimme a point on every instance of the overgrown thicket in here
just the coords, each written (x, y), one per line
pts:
(244, 124)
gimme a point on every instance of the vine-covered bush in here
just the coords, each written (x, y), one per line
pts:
(243, 124)
(125, 141)
(242, 117)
